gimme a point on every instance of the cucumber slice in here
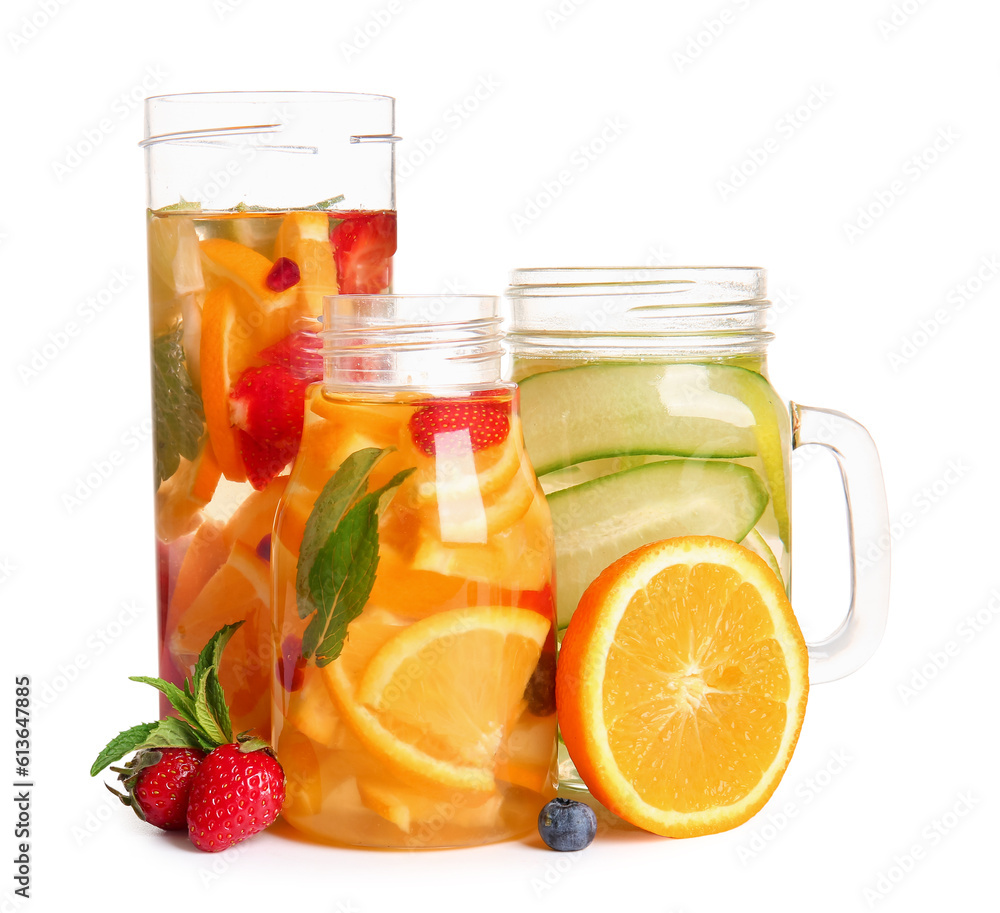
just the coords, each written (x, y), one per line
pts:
(597, 522)
(605, 410)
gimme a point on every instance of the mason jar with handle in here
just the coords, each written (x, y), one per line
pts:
(648, 414)
(259, 205)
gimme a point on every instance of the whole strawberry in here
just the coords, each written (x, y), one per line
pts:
(188, 770)
(157, 782)
(236, 793)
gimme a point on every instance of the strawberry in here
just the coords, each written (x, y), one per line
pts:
(487, 421)
(300, 353)
(189, 771)
(157, 783)
(363, 245)
(236, 793)
(267, 405)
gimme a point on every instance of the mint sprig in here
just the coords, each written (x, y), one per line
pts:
(179, 419)
(338, 557)
(202, 716)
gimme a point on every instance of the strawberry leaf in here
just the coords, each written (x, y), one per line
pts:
(121, 745)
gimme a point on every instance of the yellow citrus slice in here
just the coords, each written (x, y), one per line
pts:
(424, 704)
(681, 685)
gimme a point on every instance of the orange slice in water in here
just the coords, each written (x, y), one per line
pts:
(423, 705)
(681, 685)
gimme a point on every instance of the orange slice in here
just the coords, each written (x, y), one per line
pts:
(422, 704)
(682, 684)
(237, 591)
(180, 499)
(204, 556)
(218, 370)
(305, 238)
(241, 317)
(254, 518)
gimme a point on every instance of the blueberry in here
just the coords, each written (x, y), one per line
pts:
(567, 825)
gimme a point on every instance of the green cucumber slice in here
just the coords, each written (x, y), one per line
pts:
(598, 522)
(595, 411)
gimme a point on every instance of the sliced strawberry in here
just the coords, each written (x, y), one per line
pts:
(267, 405)
(262, 461)
(363, 244)
(487, 422)
(301, 353)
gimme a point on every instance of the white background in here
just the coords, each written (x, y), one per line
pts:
(890, 799)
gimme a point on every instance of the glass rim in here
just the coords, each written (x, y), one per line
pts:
(563, 276)
(247, 95)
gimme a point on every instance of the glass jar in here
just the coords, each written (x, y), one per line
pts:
(260, 204)
(414, 700)
(648, 414)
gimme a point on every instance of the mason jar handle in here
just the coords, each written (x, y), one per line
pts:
(854, 641)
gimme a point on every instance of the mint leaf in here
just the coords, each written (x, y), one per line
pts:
(179, 419)
(121, 745)
(181, 206)
(324, 205)
(215, 701)
(337, 572)
(339, 493)
(171, 732)
(180, 700)
(211, 654)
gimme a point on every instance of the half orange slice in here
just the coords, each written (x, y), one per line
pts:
(681, 685)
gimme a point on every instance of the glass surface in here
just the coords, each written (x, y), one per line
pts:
(260, 205)
(648, 414)
(435, 725)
